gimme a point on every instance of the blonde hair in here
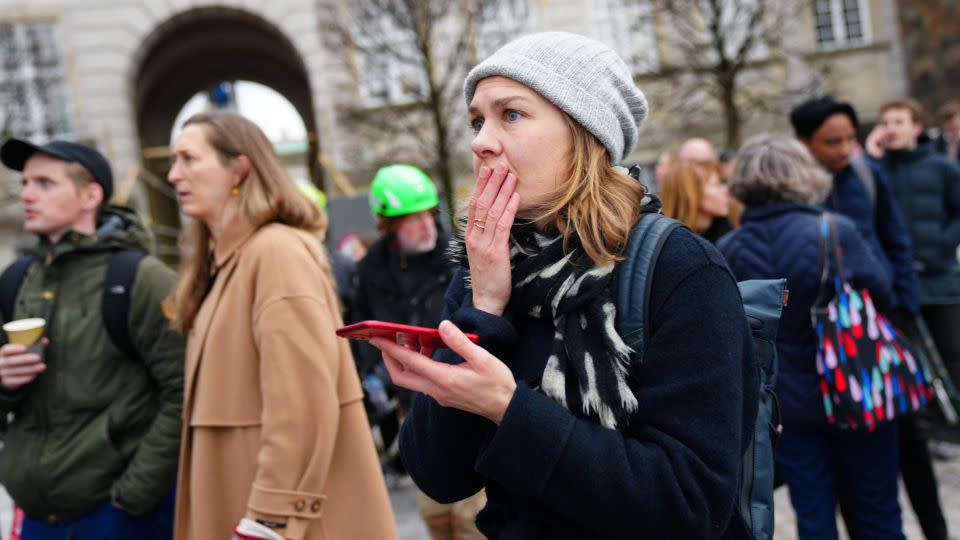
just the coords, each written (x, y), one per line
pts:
(79, 175)
(81, 178)
(597, 203)
(682, 191)
(266, 195)
(773, 168)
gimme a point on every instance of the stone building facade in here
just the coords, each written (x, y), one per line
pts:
(116, 73)
(931, 43)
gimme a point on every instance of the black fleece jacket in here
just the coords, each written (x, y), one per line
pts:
(671, 473)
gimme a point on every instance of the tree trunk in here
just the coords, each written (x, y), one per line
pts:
(731, 113)
(444, 171)
(442, 167)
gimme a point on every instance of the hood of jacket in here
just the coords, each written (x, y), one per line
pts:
(119, 227)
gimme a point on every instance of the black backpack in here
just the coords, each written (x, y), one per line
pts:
(763, 302)
(114, 307)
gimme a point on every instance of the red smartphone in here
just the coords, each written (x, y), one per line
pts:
(426, 338)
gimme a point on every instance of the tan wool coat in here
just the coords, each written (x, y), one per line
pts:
(274, 426)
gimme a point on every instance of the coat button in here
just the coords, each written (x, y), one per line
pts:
(300, 505)
(47, 295)
(315, 506)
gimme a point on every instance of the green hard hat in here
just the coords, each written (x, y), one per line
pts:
(398, 190)
(311, 192)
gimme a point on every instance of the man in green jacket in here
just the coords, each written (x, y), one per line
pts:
(92, 445)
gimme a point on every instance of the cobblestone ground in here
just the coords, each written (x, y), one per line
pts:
(411, 527)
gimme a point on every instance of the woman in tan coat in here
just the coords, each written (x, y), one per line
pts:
(275, 438)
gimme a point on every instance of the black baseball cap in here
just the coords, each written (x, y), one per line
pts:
(807, 117)
(14, 153)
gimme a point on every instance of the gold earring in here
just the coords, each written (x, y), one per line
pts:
(235, 191)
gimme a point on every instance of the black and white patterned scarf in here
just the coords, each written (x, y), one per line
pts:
(590, 369)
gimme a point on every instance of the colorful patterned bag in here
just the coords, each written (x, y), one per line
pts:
(868, 371)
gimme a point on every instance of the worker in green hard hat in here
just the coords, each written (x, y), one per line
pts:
(404, 200)
(405, 273)
(403, 279)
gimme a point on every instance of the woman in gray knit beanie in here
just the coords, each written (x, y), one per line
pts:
(573, 433)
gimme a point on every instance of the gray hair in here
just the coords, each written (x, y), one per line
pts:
(771, 168)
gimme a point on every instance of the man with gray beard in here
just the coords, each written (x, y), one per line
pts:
(403, 279)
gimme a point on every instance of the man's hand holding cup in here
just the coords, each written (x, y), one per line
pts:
(21, 359)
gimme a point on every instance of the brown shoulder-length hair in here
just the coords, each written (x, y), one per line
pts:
(266, 195)
(598, 204)
(682, 191)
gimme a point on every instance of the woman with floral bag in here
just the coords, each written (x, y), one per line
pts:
(824, 464)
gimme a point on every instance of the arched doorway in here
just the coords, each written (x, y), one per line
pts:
(192, 52)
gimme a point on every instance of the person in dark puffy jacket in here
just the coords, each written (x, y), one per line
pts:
(926, 186)
(781, 185)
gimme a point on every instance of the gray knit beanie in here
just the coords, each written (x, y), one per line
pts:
(583, 77)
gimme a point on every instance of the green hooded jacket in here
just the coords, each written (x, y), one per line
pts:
(95, 425)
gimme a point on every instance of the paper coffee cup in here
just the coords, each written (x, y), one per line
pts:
(24, 331)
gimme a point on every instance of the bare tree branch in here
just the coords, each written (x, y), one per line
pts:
(718, 44)
(431, 43)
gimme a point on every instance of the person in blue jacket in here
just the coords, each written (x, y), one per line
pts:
(571, 434)
(927, 189)
(782, 187)
(862, 191)
(828, 128)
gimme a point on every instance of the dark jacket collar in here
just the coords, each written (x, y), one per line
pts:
(382, 258)
(924, 149)
(778, 208)
(118, 228)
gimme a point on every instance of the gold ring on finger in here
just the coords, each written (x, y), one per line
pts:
(480, 223)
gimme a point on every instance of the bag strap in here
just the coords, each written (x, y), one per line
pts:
(824, 293)
(10, 283)
(646, 241)
(115, 304)
(831, 255)
(837, 253)
(862, 169)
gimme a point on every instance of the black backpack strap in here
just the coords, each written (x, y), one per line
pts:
(10, 282)
(115, 305)
(639, 259)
